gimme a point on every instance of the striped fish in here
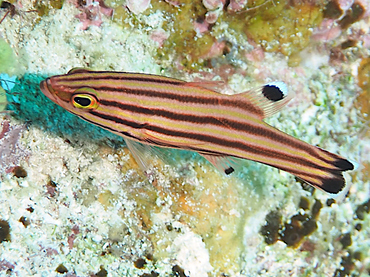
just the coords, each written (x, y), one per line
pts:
(165, 112)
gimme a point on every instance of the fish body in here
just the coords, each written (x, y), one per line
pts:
(166, 112)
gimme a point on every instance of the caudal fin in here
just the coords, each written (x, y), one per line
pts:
(329, 178)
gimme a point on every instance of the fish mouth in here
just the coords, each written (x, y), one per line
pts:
(47, 90)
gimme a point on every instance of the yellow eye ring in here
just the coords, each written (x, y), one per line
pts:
(83, 100)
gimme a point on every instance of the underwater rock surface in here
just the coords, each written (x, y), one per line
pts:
(72, 199)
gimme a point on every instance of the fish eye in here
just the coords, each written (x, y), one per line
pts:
(84, 98)
(84, 101)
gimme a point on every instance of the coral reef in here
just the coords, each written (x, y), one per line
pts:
(74, 202)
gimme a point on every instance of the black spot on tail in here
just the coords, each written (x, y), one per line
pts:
(272, 93)
(229, 170)
(337, 182)
(343, 165)
(333, 185)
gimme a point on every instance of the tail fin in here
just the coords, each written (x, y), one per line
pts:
(328, 178)
(313, 165)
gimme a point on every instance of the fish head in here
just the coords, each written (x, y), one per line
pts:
(75, 97)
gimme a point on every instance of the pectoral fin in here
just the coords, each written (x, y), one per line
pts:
(145, 155)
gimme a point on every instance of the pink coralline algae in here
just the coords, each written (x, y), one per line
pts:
(137, 6)
(213, 4)
(92, 11)
(216, 50)
(6, 266)
(214, 8)
(173, 3)
(159, 36)
(327, 31)
(201, 27)
(10, 150)
(236, 5)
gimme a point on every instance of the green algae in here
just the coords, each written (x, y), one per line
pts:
(284, 28)
(8, 61)
(3, 101)
(363, 102)
(9, 65)
(183, 37)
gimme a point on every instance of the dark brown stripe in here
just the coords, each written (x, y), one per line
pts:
(209, 139)
(241, 126)
(332, 184)
(194, 99)
(215, 99)
(126, 134)
(82, 77)
(175, 96)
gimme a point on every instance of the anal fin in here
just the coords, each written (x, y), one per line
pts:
(225, 164)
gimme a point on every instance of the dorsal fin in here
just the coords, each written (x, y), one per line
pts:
(270, 98)
(78, 70)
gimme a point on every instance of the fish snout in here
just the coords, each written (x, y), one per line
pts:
(47, 89)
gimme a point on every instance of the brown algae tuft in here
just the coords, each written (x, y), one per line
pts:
(25, 221)
(61, 269)
(346, 240)
(19, 172)
(140, 263)
(295, 229)
(43, 7)
(363, 100)
(270, 231)
(178, 271)
(101, 273)
(4, 231)
(362, 209)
